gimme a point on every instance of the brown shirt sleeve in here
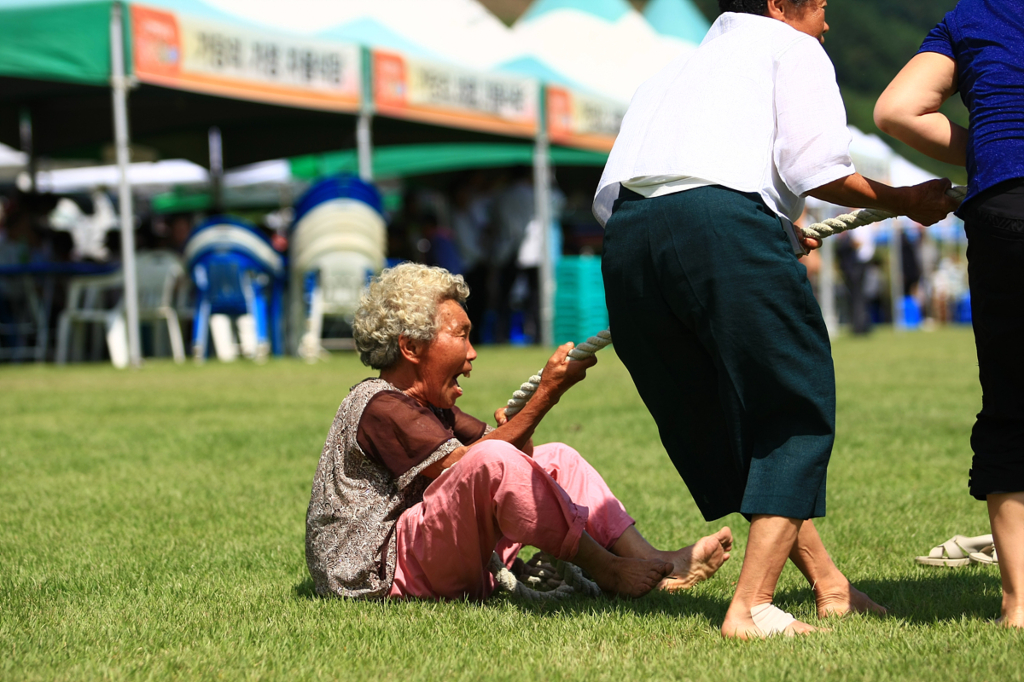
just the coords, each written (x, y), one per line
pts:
(467, 429)
(399, 433)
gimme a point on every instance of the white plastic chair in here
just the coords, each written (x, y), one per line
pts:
(342, 276)
(87, 303)
(157, 274)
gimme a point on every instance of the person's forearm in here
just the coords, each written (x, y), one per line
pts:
(858, 191)
(519, 429)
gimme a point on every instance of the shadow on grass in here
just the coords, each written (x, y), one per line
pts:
(305, 590)
(928, 596)
(684, 603)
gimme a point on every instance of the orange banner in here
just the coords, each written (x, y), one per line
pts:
(420, 90)
(186, 53)
(577, 120)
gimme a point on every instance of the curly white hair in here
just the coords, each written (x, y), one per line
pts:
(402, 301)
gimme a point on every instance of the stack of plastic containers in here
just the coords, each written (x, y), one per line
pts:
(580, 310)
(338, 241)
(237, 273)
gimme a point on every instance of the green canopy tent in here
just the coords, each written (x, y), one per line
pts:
(66, 69)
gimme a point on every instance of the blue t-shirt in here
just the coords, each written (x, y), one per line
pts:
(986, 40)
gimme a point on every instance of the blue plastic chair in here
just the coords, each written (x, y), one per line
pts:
(236, 272)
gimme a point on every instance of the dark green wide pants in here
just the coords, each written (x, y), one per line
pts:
(715, 320)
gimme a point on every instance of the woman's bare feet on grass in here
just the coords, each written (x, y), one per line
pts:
(738, 625)
(629, 577)
(697, 562)
(841, 600)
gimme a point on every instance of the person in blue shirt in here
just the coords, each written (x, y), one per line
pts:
(978, 51)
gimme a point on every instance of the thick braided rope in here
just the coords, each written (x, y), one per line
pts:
(573, 581)
(848, 221)
(580, 352)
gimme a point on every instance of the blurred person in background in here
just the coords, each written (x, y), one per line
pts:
(471, 219)
(854, 250)
(513, 210)
(978, 51)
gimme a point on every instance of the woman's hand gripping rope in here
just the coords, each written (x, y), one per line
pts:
(581, 352)
(848, 221)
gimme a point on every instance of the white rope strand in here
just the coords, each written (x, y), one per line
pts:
(580, 352)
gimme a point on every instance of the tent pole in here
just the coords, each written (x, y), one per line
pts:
(216, 170)
(364, 144)
(25, 131)
(364, 124)
(896, 276)
(827, 282)
(119, 92)
(542, 212)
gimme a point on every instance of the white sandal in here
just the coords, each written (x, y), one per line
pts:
(957, 551)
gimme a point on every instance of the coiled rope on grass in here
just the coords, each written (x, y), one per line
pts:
(573, 582)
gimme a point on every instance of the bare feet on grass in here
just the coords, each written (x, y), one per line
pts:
(843, 599)
(625, 576)
(697, 562)
(629, 577)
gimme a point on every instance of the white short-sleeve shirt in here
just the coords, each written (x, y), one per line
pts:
(756, 108)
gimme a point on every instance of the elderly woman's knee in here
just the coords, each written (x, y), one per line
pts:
(494, 457)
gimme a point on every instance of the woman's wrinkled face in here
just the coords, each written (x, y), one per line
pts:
(449, 356)
(808, 18)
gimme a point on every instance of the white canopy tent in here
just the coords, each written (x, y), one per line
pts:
(605, 45)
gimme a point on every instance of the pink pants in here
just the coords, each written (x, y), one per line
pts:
(497, 499)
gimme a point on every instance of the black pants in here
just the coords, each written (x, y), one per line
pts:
(716, 322)
(995, 254)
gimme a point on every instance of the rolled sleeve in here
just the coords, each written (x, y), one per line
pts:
(812, 145)
(940, 40)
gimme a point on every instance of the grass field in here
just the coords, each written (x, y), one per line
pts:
(151, 527)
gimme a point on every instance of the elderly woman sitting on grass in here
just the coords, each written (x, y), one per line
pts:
(412, 496)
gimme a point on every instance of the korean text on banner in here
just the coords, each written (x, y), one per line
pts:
(577, 120)
(182, 52)
(446, 95)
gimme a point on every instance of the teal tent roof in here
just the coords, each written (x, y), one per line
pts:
(677, 18)
(535, 68)
(610, 10)
(370, 32)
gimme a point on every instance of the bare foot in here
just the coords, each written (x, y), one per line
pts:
(1013, 616)
(697, 562)
(629, 577)
(738, 625)
(841, 600)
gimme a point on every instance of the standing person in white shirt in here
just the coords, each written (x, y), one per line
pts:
(711, 310)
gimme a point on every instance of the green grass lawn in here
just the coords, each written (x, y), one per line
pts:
(151, 527)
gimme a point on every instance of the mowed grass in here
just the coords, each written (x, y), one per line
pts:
(151, 527)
